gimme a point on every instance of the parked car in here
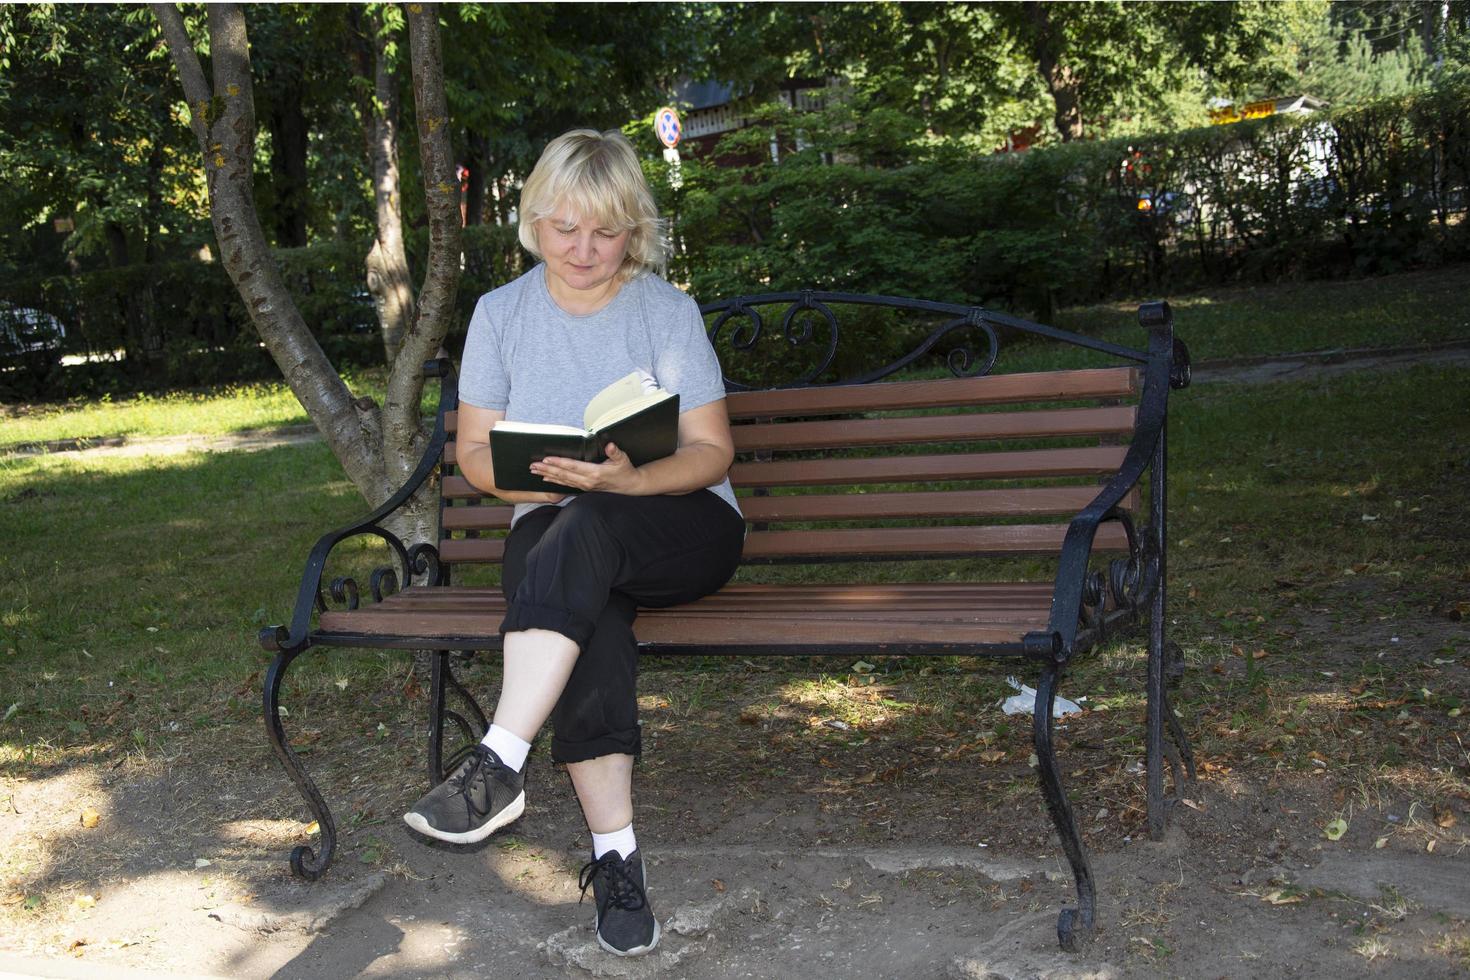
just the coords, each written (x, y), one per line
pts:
(29, 338)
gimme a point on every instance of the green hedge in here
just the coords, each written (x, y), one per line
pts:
(871, 203)
(182, 323)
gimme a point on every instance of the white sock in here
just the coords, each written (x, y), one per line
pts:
(621, 841)
(510, 747)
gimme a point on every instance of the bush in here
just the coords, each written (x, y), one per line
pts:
(178, 324)
(871, 204)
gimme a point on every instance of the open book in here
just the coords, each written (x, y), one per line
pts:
(640, 417)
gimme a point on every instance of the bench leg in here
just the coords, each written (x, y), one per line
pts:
(1161, 713)
(305, 862)
(1074, 926)
(471, 729)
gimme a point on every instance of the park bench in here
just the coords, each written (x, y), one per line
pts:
(1064, 467)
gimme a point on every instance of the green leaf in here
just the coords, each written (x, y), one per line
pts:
(1335, 829)
(10, 711)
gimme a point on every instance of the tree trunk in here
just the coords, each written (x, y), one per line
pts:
(1063, 84)
(388, 278)
(288, 162)
(378, 449)
(222, 116)
(474, 205)
(153, 202)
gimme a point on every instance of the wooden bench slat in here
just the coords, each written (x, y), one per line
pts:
(892, 541)
(1000, 389)
(1022, 502)
(485, 517)
(472, 549)
(674, 629)
(842, 543)
(1111, 420)
(996, 612)
(1017, 464)
(774, 600)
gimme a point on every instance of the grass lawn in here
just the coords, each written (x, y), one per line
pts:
(1245, 321)
(1412, 308)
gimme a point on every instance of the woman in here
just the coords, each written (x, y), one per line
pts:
(578, 566)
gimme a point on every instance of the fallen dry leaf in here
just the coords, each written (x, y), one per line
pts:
(1190, 803)
(90, 818)
(718, 884)
(14, 899)
(1444, 817)
(992, 755)
(311, 828)
(1430, 845)
(84, 902)
(1282, 898)
(1258, 655)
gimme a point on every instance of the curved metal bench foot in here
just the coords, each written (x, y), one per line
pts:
(305, 862)
(1074, 926)
(1074, 930)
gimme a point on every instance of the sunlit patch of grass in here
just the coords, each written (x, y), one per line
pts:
(205, 411)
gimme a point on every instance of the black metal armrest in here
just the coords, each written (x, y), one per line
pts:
(411, 561)
(1167, 367)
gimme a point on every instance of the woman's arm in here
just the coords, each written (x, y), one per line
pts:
(472, 443)
(705, 452)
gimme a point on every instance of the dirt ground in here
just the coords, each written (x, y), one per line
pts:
(859, 859)
(780, 844)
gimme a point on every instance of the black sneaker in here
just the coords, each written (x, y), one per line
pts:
(482, 796)
(625, 922)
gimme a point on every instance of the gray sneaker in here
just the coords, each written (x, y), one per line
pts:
(625, 922)
(483, 795)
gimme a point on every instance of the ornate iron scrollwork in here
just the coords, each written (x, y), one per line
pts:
(384, 582)
(423, 559)
(344, 591)
(1123, 581)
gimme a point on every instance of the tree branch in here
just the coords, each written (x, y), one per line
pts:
(191, 75)
(441, 277)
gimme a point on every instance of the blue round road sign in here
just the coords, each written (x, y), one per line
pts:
(666, 124)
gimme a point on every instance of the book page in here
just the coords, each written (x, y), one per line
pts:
(629, 408)
(539, 428)
(625, 389)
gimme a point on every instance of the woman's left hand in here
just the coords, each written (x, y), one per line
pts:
(616, 475)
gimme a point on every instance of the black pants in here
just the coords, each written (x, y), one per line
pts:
(584, 569)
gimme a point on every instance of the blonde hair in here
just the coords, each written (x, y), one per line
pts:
(596, 176)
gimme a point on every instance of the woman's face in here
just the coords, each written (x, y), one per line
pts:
(579, 252)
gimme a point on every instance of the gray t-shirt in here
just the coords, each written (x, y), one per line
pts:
(529, 358)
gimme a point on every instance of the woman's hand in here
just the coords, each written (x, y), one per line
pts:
(616, 475)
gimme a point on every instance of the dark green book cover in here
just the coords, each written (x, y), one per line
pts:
(648, 434)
